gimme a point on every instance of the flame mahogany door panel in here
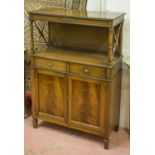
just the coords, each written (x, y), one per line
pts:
(52, 89)
(86, 104)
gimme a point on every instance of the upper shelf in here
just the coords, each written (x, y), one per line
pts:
(81, 17)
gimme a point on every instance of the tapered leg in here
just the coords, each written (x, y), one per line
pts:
(35, 123)
(116, 128)
(106, 144)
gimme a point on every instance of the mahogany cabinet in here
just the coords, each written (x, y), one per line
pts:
(76, 80)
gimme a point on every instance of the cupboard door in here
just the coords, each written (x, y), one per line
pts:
(86, 104)
(52, 96)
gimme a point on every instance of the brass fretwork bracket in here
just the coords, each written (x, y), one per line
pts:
(116, 37)
(41, 32)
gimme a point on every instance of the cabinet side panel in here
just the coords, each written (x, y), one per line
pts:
(51, 95)
(115, 102)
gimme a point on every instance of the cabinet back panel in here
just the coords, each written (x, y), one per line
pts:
(80, 37)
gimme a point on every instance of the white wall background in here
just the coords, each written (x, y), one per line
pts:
(96, 5)
(119, 6)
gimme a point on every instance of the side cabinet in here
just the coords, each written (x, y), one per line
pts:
(76, 79)
(51, 97)
(86, 104)
(83, 103)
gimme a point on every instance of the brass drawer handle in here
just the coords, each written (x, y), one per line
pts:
(49, 64)
(86, 70)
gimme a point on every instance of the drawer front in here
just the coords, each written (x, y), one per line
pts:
(88, 70)
(50, 64)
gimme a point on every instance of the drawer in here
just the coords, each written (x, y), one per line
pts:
(87, 70)
(50, 64)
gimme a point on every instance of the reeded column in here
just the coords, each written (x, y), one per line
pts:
(110, 48)
(32, 38)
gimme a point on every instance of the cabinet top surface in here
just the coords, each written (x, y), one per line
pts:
(109, 16)
(76, 56)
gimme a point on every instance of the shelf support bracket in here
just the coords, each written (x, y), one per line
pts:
(110, 48)
(32, 38)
